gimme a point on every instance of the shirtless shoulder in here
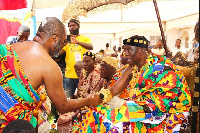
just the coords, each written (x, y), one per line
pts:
(35, 61)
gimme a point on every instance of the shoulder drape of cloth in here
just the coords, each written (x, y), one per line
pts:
(18, 100)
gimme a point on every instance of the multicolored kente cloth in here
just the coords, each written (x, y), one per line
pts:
(162, 87)
(18, 100)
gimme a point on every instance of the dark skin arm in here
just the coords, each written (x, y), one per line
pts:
(41, 69)
(61, 52)
(56, 92)
(88, 46)
(80, 84)
(100, 85)
(122, 82)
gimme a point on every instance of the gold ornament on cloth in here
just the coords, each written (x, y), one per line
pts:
(42, 99)
(107, 95)
(111, 61)
(134, 81)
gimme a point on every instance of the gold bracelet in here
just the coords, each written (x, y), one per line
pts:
(107, 95)
(84, 108)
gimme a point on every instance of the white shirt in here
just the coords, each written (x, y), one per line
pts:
(175, 50)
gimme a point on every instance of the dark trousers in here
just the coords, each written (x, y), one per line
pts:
(70, 86)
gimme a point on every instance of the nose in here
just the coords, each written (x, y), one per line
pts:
(101, 69)
(84, 64)
(71, 27)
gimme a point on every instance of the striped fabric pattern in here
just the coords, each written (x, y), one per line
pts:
(17, 97)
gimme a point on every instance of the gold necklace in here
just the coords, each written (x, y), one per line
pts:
(135, 78)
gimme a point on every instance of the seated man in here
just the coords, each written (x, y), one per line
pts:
(90, 76)
(160, 97)
(89, 79)
(108, 68)
(78, 68)
(25, 66)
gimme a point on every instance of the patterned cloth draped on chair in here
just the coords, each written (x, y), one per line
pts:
(188, 69)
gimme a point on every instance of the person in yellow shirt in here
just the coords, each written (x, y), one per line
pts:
(74, 50)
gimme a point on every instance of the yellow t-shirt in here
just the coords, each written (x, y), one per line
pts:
(74, 53)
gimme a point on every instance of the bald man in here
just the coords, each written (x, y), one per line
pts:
(27, 66)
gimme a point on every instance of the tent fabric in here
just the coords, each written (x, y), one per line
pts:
(12, 5)
(8, 28)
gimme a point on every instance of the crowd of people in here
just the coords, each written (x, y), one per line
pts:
(134, 88)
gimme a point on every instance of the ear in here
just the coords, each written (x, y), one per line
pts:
(142, 50)
(55, 38)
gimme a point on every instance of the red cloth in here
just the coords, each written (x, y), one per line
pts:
(8, 29)
(12, 4)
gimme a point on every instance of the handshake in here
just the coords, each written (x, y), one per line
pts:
(103, 96)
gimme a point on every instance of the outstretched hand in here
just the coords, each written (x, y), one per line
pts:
(94, 100)
(128, 72)
(73, 39)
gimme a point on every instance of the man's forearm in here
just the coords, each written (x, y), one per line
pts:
(88, 46)
(120, 86)
(74, 104)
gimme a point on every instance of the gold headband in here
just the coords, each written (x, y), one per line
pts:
(111, 61)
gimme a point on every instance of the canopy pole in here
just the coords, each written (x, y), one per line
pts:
(161, 29)
(33, 19)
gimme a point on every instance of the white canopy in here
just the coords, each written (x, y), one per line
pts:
(173, 13)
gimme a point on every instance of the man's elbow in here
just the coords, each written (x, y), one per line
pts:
(90, 47)
(63, 108)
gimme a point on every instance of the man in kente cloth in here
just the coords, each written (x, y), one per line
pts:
(25, 66)
(159, 97)
(89, 77)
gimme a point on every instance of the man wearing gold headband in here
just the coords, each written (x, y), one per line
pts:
(159, 97)
(108, 68)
